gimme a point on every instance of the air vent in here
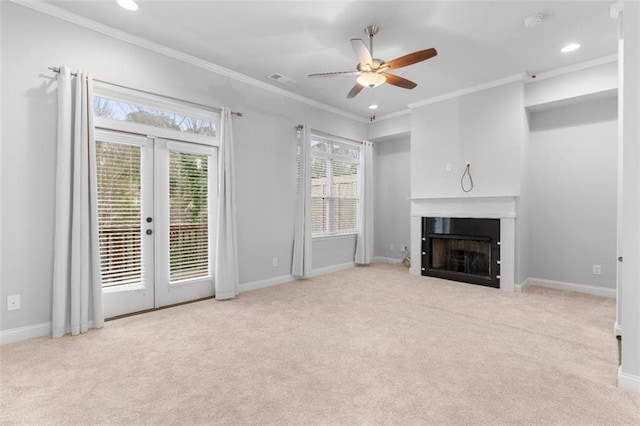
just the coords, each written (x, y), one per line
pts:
(283, 79)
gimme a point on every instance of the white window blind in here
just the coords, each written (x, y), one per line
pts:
(188, 216)
(334, 187)
(119, 213)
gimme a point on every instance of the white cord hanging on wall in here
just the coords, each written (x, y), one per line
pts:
(467, 172)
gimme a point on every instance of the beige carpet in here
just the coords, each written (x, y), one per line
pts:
(371, 345)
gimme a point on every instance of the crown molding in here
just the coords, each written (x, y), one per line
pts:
(393, 115)
(571, 68)
(56, 12)
(468, 91)
(524, 77)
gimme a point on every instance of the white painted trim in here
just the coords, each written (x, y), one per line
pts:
(628, 381)
(392, 260)
(524, 77)
(470, 206)
(331, 269)
(72, 18)
(617, 328)
(572, 68)
(225, 296)
(565, 286)
(468, 90)
(270, 282)
(616, 9)
(393, 115)
(352, 235)
(19, 334)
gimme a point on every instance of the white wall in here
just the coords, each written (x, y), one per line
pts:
(392, 186)
(573, 85)
(265, 150)
(484, 128)
(388, 128)
(572, 210)
(629, 373)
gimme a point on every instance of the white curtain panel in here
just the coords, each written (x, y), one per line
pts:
(301, 265)
(77, 288)
(226, 269)
(364, 240)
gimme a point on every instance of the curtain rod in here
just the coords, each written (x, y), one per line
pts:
(329, 135)
(239, 114)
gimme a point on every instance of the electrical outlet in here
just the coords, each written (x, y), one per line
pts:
(392, 247)
(597, 270)
(448, 167)
(13, 302)
(275, 262)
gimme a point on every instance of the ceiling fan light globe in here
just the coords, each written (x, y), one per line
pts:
(371, 79)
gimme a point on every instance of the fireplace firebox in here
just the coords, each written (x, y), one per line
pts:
(462, 249)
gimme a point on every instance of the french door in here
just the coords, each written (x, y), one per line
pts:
(156, 207)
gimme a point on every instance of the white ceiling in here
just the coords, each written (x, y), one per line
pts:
(477, 41)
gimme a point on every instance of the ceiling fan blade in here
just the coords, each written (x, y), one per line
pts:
(399, 81)
(411, 58)
(361, 51)
(354, 91)
(333, 74)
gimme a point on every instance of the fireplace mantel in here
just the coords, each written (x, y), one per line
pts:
(501, 207)
(495, 207)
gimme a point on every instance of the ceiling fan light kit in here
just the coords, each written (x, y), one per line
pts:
(371, 79)
(372, 72)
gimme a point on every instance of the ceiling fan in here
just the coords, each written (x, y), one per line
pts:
(372, 71)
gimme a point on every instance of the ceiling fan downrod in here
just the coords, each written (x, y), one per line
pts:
(371, 30)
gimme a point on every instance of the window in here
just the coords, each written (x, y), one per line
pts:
(119, 110)
(135, 112)
(334, 187)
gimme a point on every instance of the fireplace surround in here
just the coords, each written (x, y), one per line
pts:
(462, 249)
(502, 207)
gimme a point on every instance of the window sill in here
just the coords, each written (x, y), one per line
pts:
(334, 236)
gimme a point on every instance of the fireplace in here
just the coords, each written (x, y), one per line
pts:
(462, 249)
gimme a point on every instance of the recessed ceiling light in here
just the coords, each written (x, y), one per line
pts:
(570, 47)
(374, 106)
(128, 4)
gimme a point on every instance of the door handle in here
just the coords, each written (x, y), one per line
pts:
(149, 232)
(149, 220)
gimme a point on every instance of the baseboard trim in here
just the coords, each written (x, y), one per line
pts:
(269, 282)
(19, 334)
(561, 285)
(380, 259)
(628, 381)
(332, 268)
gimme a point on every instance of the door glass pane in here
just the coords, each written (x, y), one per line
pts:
(119, 231)
(188, 216)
